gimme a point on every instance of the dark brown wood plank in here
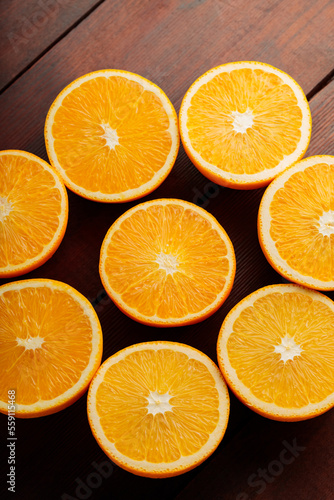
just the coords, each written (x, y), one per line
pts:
(28, 28)
(272, 461)
(322, 109)
(171, 43)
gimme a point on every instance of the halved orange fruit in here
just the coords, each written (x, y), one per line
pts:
(276, 352)
(242, 123)
(167, 263)
(33, 212)
(296, 223)
(158, 409)
(112, 135)
(50, 346)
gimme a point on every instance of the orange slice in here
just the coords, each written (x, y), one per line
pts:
(242, 123)
(112, 135)
(296, 223)
(50, 346)
(33, 212)
(276, 352)
(158, 409)
(167, 263)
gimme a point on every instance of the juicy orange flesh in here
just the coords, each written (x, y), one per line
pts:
(295, 211)
(171, 230)
(122, 400)
(30, 206)
(48, 371)
(125, 107)
(309, 376)
(275, 131)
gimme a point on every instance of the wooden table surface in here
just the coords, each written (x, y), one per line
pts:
(44, 45)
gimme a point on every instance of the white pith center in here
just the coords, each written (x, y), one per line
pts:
(30, 342)
(167, 262)
(5, 208)
(326, 223)
(288, 348)
(242, 121)
(110, 136)
(158, 403)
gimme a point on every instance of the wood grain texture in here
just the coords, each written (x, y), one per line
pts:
(322, 109)
(28, 28)
(255, 465)
(172, 43)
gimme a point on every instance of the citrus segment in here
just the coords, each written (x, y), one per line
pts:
(296, 223)
(158, 409)
(242, 123)
(33, 212)
(276, 351)
(167, 262)
(112, 135)
(50, 345)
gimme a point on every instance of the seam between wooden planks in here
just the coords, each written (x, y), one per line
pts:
(49, 47)
(321, 85)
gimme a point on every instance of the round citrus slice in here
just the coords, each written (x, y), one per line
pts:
(167, 263)
(276, 352)
(112, 135)
(242, 123)
(158, 409)
(50, 346)
(33, 212)
(296, 223)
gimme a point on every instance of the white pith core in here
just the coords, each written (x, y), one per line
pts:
(110, 136)
(5, 208)
(242, 121)
(288, 348)
(30, 342)
(167, 262)
(326, 223)
(158, 403)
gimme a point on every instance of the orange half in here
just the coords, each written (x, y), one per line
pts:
(276, 352)
(296, 223)
(167, 263)
(158, 409)
(242, 123)
(50, 346)
(112, 135)
(33, 212)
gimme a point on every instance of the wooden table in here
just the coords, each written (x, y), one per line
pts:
(46, 44)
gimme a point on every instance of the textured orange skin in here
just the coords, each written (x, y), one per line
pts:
(143, 473)
(26, 269)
